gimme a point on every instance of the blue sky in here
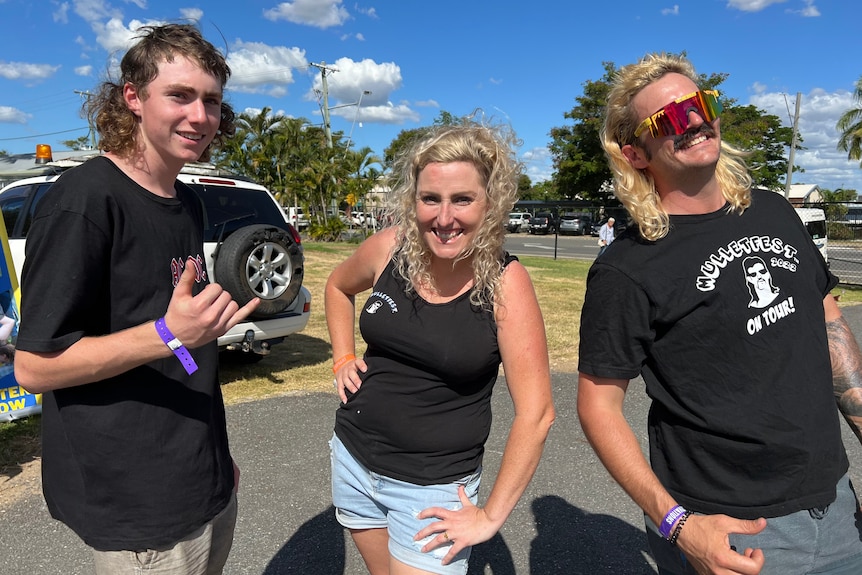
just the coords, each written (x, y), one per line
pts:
(521, 62)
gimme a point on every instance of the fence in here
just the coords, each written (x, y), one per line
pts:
(844, 230)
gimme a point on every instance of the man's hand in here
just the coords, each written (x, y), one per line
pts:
(706, 544)
(196, 320)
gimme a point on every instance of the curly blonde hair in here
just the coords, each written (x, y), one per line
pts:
(636, 188)
(107, 110)
(491, 150)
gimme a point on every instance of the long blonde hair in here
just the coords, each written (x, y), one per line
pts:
(491, 150)
(636, 188)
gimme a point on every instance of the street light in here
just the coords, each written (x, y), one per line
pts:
(355, 114)
(357, 104)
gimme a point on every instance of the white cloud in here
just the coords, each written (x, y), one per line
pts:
(194, 14)
(61, 14)
(352, 78)
(95, 10)
(537, 164)
(84, 71)
(317, 13)
(752, 5)
(671, 11)
(115, 37)
(260, 68)
(10, 115)
(819, 111)
(26, 71)
(810, 10)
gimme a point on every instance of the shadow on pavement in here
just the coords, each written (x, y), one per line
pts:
(316, 547)
(571, 541)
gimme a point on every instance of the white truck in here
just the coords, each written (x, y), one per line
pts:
(815, 222)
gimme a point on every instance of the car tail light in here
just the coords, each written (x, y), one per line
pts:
(296, 237)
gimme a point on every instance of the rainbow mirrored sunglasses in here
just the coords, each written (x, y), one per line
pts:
(672, 120)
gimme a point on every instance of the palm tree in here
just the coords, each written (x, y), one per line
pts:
(850, 127)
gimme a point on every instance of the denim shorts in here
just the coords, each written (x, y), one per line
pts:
(811, 541)
(367, 500)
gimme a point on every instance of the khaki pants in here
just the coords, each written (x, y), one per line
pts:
(203, 552)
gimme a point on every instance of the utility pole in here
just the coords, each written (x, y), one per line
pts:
(327, 129)
(792, 147)
(92, 135)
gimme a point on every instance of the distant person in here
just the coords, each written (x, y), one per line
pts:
(122, 323)
(448, 306)
(606, 235)
(721, 302)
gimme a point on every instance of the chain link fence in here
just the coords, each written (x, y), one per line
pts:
(844, 230)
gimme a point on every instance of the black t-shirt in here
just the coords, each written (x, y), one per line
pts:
(724, 319)
(139, 460)
(423, 412)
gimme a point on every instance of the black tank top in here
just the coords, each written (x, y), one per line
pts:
(423, 412)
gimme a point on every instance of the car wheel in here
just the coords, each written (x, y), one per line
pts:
(261, 261)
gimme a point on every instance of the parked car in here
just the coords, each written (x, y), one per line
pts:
(296, 217)
(575, 225)
(543, 223)
(364, 219)
(519, 222)
(250, 249)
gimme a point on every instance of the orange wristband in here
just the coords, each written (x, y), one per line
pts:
(340, 363)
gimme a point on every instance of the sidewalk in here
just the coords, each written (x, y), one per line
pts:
(573, 519)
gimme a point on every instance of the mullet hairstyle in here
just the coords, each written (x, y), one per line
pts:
(491, 150)
(636, 188)
(107, 110)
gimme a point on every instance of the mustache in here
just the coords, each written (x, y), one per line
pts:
(684, 138)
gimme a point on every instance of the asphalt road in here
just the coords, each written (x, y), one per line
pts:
(572, 520)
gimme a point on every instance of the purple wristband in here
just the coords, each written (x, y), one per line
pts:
(669, 520)
(176, 346)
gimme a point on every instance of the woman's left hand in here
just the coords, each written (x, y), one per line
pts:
(461, 527)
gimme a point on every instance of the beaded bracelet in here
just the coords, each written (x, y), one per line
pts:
(678, 527)
(667, 523)
(340, 363)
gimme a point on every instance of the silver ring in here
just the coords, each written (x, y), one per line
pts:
(335, 383)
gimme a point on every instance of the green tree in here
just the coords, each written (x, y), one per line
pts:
(763, 136)
(850, 127)
(80, 143)
(581, 168)
(525, 184)
(406, 137)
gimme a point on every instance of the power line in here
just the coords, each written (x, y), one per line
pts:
(43, 135)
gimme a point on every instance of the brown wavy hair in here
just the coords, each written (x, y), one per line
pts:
(107, 110)
(491, 150)
(636, 188)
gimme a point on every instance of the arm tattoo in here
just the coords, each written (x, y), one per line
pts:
(846, 372)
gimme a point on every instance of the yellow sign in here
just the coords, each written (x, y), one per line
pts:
(15, 401)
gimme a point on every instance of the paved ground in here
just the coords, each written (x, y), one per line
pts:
(573, 519)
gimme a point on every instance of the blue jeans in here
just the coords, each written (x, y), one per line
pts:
(809, 542)
(367, 500)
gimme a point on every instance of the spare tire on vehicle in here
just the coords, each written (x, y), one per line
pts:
(261, 261)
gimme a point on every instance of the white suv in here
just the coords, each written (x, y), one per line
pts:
(250, 249)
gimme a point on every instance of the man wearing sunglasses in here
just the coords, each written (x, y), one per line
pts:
(747, 472)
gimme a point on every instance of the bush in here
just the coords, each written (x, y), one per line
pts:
(328, 231)
(839, 231)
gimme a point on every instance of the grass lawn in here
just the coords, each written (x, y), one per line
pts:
(302, 363)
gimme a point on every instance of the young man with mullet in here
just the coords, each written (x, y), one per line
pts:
(119, 323)
(747, 472)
